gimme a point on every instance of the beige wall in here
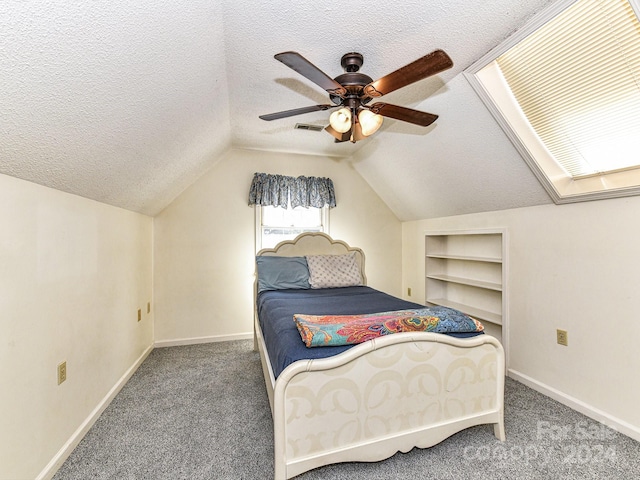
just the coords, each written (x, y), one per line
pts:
(73, 273)
(204, 242)
(574, 267)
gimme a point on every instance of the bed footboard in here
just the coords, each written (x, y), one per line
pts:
(387, 395)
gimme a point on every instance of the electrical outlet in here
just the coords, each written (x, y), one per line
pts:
(62, 372)
(562, 337)
(148, 307)
(409, 291)
(139, 314)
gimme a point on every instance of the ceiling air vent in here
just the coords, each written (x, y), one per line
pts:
(306, 126)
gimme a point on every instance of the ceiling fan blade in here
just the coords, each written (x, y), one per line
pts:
(340, 137)
(295, 111)
(307, 69)
(430, 64)
(405, 114)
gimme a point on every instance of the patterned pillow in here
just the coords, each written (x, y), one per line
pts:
(331, 271)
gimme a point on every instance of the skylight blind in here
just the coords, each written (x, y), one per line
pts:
(577, 80)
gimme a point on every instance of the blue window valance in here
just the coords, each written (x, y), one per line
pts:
(281, 191)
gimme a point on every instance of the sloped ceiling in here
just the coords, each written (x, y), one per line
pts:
(129, 102)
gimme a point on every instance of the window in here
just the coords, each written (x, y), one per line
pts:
(566, 90)
(276, 224)
(311, 198)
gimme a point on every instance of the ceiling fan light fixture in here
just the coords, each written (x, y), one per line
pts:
(369, 122)
(340, 120)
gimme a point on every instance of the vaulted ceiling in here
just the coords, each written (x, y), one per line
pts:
(128, 103)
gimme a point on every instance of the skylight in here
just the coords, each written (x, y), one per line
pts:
(566, 89)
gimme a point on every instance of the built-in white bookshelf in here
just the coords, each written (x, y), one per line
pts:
(466, 270)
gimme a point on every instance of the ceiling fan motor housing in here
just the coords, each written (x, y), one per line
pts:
(353, 81)
(351, 62)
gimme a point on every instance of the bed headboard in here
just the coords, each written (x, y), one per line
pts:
(315, 243)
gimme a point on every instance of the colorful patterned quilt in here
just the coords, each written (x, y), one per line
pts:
(333, 330)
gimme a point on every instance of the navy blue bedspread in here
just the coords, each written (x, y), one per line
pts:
(277, 307)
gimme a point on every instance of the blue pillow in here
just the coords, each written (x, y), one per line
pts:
(279, 273)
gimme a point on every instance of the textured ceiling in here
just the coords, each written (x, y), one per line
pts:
(129, 102)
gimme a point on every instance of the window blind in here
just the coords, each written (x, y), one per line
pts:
(577, 80)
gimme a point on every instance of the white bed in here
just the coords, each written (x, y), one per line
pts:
(385, 395)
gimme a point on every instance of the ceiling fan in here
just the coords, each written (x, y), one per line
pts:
(352, 91)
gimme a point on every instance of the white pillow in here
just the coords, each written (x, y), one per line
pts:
(331, 271)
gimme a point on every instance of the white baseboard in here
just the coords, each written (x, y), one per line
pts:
(598, 415)
(193, 341)
(56, 462)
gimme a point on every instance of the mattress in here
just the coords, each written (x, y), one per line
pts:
(282, 339)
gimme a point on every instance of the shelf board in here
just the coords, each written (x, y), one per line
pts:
(474, 312)
(465, 257)
(467, 281)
